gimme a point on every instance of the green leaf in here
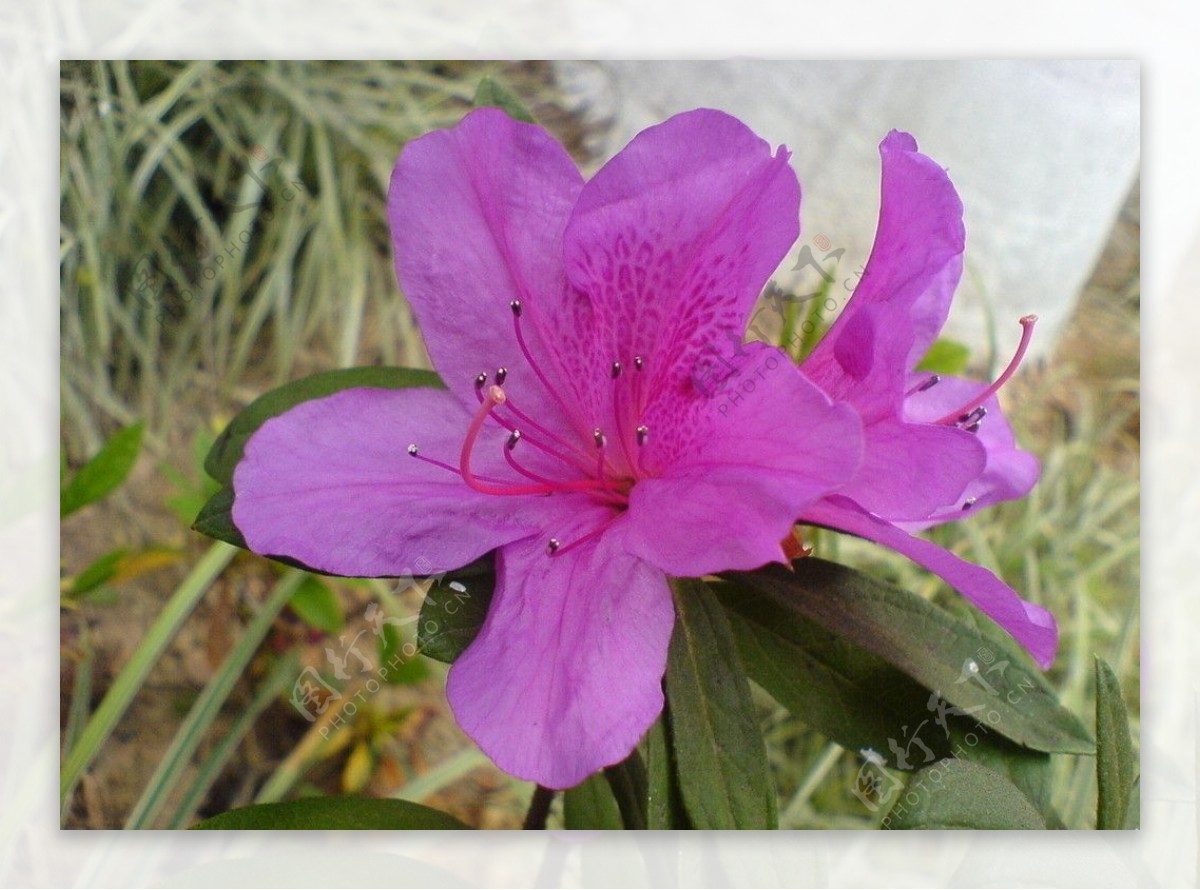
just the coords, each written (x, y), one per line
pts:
(718, 745)
(227, 450)
(348, 813)
(839, 689)
(402, 666)
(317, 605)
(1116, 765)
(961, 794)
(453, 613)
(627, 780)
(99, 572)
(664, 804)
(591, 805)
(492, 94)
(216, 519)
(945, 357)
(103, 473)
(988, 677)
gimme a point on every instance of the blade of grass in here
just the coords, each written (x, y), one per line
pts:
(131, 677)
(277, 682)
(206, 708)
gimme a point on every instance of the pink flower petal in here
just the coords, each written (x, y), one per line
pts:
(731, 476)
(477, 215)
(906, 288)
(330, 484)
(671, 242)
(1029, 624)
(566, 675)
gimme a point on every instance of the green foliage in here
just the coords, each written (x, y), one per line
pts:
(452, 614)
(1116, 764)
(317, 605)
(333, 813)
(493, 94)
(959, 794)
(945, 357)
(717, 743)
(104, 473)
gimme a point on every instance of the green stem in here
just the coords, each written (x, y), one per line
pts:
(133, 675)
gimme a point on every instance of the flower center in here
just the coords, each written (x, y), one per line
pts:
(605, 471)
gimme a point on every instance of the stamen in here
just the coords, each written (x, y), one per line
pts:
(598, 436)
(638, 364)
(480, 382)
(969, 503)
(513, 438)
(643, 433)
(501, 374)
(515, 306)
(616, 370)
(924, 385)
(416, 452)
(556, 547)
(552, 546)
(1027, 324)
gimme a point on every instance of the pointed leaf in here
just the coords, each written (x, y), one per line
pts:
(492, 94)
(717, 743)
(345, 813)
(664, 804)
(216, 519)
(968, 667)
(103, 473)
(961, 794)
(227, 450)
(452, 614)
(837, 688)
(627, 781)
(592, 806)
(317, 605)
(1116, 765)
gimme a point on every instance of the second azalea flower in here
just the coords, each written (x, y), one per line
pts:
(569, 321)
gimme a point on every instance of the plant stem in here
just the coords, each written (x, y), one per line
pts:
(539, 808)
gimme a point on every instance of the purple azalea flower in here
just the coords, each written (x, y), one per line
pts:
(568, 321)
(937, 448)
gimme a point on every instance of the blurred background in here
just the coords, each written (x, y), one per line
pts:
(223, 232)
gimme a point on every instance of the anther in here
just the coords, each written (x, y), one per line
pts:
(552, 546)
(643, 433)
(638, 363)
(501, 374)
(974, 428)
(969, 503)
(598, 436)
(413, 449)
(616, 370)
(515, 306)
(930, 383)
(480, 382)
(513, 438)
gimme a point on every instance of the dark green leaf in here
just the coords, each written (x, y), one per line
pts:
(104, 472)
(320, 813)
(591, 805)
(664, 805)
(1028, 770)
(317, 605)
(627, 780)
(216, 519)
(990, 678)
(837, 688)
(492, 94)
(1116, 765)
(452, 614)
(716, 739)
(945, 357)
(961, 794)
(227, 450)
